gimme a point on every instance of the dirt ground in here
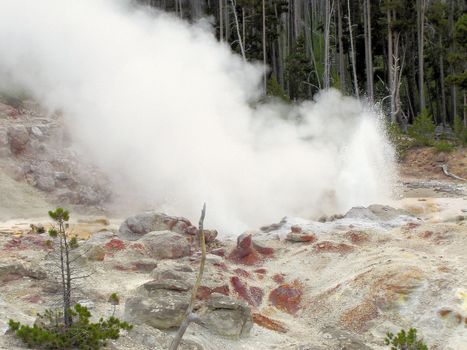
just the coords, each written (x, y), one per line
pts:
(425, 163)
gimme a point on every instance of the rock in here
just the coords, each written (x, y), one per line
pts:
(360, 213)
(143, 265)
(386, 213)
(227, 317)
(263, 247)
(296, 229)
(102, 237)
(332, 247)
(266, 322)
(210, 235)
(37, 133)
(252, 295)
(157, 340)
(157, 306)
(244, 253)
(301, 237)
(88, 196)
(18, 137)
(375, 212)
(137, 226)
(287, 297)
(45, 183)
(166, 245)
(114, 245)
(60, 176)
(14, 269)
(167, 278)
(95, 252)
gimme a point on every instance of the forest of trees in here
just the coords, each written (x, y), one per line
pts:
(410, 55)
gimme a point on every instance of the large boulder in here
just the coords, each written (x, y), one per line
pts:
(18, 137)
(16, 269)
(227, 317)
(137, 226)
(159, 303)
(166, 245)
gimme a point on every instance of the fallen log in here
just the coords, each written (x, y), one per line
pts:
(447, 173)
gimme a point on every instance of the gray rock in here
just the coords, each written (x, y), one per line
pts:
(45, 183)
(173, 279)
(60, 176)
(21, 269)
(137, 226)
(18, 138)
(37, 133)
(157, 307)
(166, 245)
(88, 196)
(227, 317)
(155, 339)
(375, 212)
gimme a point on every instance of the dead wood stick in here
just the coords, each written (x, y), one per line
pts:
(189, 315)
(447, 173)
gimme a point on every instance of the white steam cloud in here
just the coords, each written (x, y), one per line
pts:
(162, 105)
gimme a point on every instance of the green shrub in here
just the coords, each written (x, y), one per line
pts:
(443, 146)
(275, 90)
(50, 331)
(397, 138)
(460, 131)
(423, 129)
(405, 341)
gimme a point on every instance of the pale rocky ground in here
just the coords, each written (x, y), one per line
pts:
(337, 283)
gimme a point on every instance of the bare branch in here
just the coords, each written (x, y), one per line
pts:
(190, 316)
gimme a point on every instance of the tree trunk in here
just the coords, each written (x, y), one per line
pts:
(327, 24)
(341, 48)
(244, 26)
(368, 50)
(221, 21)
(240, 41)
(451, 68)
(68, 318)
(443, 88)
(264, 47)
(391, 67)
(421, 39)
(465, 109)
(226, 20)
(352, 49)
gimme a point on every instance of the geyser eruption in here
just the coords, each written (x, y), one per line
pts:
(172, 115)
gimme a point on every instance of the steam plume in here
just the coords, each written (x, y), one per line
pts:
(170, 113)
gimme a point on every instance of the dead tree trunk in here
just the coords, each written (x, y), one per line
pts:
(352, 53)
(240, 41)
(190, 316)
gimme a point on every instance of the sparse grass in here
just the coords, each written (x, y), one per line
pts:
(443, 146)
